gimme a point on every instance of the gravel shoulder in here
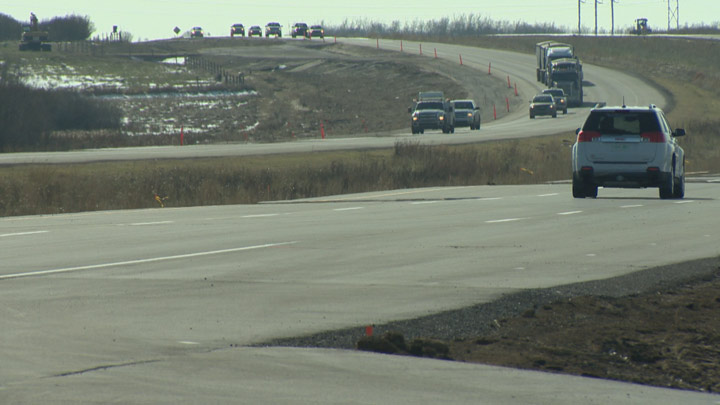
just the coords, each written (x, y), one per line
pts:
(656, 327)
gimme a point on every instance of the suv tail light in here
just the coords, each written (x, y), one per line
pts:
(655, 137)
(588, 136)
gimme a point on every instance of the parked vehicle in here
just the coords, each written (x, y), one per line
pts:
(543, 104)
(467, 114)
(300, 30)
(559, 97)
(237, 29)
(255, 31)
(628, 147)
(317, 31)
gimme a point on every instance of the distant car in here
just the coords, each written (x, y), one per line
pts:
(560, 98)
(628, 147)
(255, 31)
(237, 29)
(197, 32)
(273, 28)
(300, 30)
(467, 114)
(542, 104)
(317, 31)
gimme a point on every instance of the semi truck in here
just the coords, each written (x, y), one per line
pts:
(567, 74)
(548, 51)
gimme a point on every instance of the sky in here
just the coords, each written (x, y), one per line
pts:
(155, 19)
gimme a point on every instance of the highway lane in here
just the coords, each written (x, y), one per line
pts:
(140, 293)
(604, 86)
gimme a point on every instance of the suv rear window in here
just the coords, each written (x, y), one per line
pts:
(622, 122)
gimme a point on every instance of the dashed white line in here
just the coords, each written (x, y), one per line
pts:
(259, 216)
(631, 206)
(151, 223)
(7, 235)
(684, 202)
(497, 221)
(141, 261)
(489, 198)
(548, 195)
(424, 202)
(349, 209)
(569, 213)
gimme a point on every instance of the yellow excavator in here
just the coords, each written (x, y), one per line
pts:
(33, 38)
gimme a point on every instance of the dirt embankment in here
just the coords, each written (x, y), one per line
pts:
(346, 89)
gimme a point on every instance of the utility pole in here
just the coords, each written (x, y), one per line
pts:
(612, 16)
(579, 26)
(674, 14)
(596, 3)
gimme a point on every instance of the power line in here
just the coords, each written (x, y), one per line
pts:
(674, 14)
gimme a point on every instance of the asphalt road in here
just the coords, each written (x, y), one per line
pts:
(163, 305)
(160, 305)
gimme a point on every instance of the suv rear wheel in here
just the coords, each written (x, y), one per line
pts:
(578, 188)
(679, 186)
(667, 187)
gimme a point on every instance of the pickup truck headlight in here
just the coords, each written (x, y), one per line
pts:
(469, 115)
(441, 118)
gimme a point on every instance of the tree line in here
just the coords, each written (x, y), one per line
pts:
(468, 25)
(68, 28)
(29, 116)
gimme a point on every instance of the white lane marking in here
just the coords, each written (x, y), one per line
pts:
(684, 202)
(187, 342)
(497, 221)
(424, 202)
(141, 261)
(548, 195)
(631, 206)
(392, 194)
(591, 255)
(489, 198)
(569, 213)
(349, 209)
(7, 235)
(151, 223)
(259, 216)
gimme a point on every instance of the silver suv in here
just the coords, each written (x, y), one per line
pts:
(628, 147)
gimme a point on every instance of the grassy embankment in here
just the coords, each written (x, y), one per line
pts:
(693, 79)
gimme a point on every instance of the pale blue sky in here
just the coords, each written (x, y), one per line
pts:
(151, 19)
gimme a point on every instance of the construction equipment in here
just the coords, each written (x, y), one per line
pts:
(641, 27)
(33, 38)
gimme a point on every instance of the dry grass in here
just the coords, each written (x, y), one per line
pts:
(43, 189)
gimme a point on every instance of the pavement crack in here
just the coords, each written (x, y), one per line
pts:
(104, 367)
